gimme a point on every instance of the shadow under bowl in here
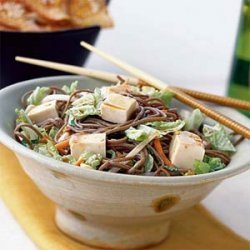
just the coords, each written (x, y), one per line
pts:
(110, 210)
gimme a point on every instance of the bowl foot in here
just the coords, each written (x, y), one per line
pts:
(110, 236)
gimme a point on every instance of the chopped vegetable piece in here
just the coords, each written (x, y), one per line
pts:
(201, 167)
(70, 89)
(53, 132)
(87, 105)
(37, 96)
(22, 117)
(218, 137)
(149, 163)
(136, 134)
(62, 145)
(89, 158)
(159, 149)
(209, 164)
(47, 149)
(194, 121)
(111, 153)
(167, 127)
(164, 95)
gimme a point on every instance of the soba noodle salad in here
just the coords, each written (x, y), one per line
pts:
(121, 129)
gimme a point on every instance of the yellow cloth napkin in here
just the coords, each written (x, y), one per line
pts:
(194, 229)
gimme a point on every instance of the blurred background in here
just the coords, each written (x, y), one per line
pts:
(203, 45)
(182, 42)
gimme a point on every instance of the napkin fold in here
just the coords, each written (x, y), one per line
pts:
(196, 229)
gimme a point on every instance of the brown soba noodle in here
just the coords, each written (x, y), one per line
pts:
(51, 136)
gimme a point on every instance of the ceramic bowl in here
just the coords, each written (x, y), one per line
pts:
(110, 210)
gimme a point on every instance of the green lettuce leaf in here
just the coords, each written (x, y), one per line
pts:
(71, 121)
(53, 132)
(88, 104)
(167, 127)
(147, 90)
(164, 95)
(140, 133)
(201, 167)
(80, 112)
(209, 164)
(149, 130)
(69, 159)
(48, 149)
(172, 169)
(149, 163)
(214, 162)
(91, 159)
(218, 137)
(194, 121)
(111, 153)
(136, 134)
(70, 89)
(86, 99)
(98, 98)
(22, 117)
(28, 132)
(37, 96)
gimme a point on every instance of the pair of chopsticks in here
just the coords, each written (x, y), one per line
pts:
(112, 78)
(178, 93)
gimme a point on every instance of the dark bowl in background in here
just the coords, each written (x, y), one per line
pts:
(60, 46)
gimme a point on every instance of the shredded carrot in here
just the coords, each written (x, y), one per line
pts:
(61, 145)
(45, 138)
(79, 161)
(158, 148)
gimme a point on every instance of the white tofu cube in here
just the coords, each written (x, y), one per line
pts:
(42, 112)
(119, 88)
(80, 143)
(118, 108)
(185, 148)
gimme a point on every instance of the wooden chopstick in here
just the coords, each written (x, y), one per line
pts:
(111, 77)
(221, 100)
(181, 96)
(98, 74)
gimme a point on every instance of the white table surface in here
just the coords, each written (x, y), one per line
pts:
(186, 43)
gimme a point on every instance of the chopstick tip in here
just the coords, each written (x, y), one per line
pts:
(86, 45)
(83, 43)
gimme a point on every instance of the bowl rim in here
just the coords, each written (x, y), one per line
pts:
(77, 172)
(55, 32)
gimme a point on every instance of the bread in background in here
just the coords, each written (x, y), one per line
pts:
(52, 15)
(15, 16)
(50, 10)
(87, 13)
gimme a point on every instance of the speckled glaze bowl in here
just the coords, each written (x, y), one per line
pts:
(110, 210)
